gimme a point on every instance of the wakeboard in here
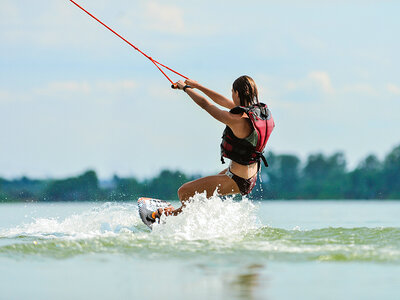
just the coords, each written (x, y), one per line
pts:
(146, 206)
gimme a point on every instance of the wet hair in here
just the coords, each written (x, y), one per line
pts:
(247, 90)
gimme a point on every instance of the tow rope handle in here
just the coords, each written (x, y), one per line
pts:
(156, 63)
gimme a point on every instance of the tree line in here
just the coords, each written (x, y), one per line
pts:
(287, 177)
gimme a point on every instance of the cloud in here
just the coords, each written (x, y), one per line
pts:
(101, 90)
(316, 81)
(154, 16)
(59, 87)
(116, 86)
(55, 24)
(323, 80)
(360, 88)
(5, 96)
(164, 18)
(9, 14)
(392, 88)
(66, 88)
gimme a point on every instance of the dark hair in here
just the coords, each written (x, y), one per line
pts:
(247, 90)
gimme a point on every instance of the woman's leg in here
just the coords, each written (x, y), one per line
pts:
(224, 185)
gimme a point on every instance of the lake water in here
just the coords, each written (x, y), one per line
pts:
(214, 250)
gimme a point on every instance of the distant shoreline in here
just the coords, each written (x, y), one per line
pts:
(320, 177)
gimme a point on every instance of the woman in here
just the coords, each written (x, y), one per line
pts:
(248, 126)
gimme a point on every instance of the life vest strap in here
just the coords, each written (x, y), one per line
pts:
(260, 154)
(264, 160)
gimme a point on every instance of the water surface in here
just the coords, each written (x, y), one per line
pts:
(216, 249)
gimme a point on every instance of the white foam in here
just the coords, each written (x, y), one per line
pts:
(201, 219)
(108, 219)
(212, 218)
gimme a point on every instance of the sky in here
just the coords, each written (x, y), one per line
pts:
(74, 97)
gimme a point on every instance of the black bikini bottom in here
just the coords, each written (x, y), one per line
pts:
(245, 185)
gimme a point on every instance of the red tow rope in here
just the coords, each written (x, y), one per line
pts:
(156, 63)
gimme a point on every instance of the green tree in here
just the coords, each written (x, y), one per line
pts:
(82, 188)
(126, 189)
(282, 176)
(366, 180)
(265, 187)
(165, 185)
(324, 177)
(391, 173)
(23, 189)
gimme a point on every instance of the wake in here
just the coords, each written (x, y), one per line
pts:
(201, 219)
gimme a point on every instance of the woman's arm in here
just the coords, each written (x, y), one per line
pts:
(218, 114)
(217, 98)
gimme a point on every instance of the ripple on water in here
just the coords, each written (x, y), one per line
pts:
(212, 228)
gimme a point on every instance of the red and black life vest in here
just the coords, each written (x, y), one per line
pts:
(250, 149)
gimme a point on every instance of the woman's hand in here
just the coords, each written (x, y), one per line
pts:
(192, 83)
(180, 84)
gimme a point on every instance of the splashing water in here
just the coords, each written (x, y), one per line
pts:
(105, 220)
(202, 219)
(207, 227)
(212, 218)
